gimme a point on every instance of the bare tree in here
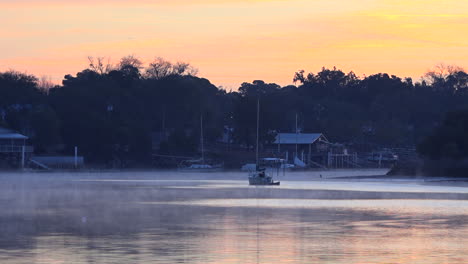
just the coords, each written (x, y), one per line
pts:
(99, 65)
(159, 68)
(440, 73)
(184, 68)
(180, 68)
(131, 60)
(449, 78)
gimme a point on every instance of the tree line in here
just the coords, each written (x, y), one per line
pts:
(119, 112)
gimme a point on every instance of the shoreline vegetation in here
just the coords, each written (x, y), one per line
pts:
(120, 115)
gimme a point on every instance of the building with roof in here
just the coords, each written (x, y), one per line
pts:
(10, 137)
(314, 150)
(304, 146)
(13, 148)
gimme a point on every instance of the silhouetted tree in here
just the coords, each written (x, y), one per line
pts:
(114, 113)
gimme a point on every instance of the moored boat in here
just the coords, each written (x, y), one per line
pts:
(199, 165)
(259, 175)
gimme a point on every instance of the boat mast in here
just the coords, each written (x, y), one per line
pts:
(201, 139)
(258, 121)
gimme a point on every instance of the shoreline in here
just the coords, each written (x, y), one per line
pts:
(313, 175)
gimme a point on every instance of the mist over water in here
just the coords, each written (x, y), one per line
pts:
(169, 217)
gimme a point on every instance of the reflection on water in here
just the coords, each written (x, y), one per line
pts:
(445, 207)
(161, 218)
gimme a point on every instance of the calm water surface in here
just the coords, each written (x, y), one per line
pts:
(166, 217)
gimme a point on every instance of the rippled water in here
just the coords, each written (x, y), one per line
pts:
(164, 217)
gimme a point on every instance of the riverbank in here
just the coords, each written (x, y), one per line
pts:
(308, 175)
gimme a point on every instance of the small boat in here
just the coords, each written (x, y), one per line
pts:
(260, 177)
(199, 165)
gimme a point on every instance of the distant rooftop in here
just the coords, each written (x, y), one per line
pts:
(6, 133)
(299, 138)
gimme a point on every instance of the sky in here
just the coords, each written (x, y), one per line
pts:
(235, 41)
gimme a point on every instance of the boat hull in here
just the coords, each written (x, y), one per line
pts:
(262, 181)
(200, 169)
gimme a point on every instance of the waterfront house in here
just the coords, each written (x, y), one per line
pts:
(302, 145)
(13, 148)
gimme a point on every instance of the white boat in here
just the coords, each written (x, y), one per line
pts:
(200, 165)
(259, 176)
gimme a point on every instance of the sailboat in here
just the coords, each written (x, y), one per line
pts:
(199, 165)
(259, 176)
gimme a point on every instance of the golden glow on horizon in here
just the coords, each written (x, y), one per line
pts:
(232, 41)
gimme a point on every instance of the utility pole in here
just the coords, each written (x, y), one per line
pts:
(23, 150)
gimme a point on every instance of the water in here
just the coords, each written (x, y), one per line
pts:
(166, 217)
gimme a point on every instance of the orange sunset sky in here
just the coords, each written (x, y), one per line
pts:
(232, 41)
